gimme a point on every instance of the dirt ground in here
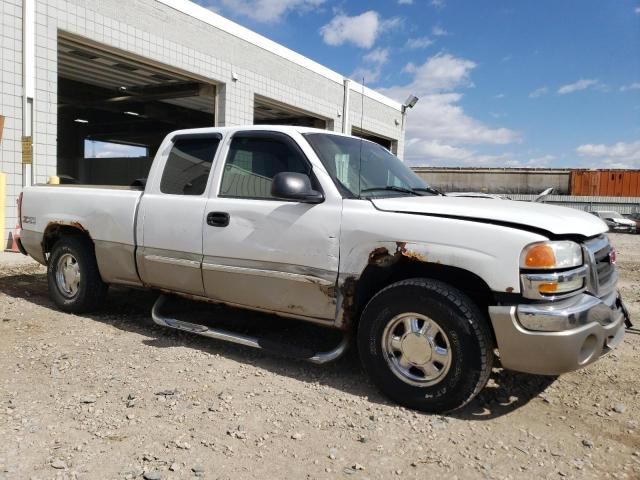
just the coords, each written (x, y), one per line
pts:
(113, 396)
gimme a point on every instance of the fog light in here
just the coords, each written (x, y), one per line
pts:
(561, 287)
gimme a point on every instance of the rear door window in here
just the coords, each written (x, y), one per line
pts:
(188, 165)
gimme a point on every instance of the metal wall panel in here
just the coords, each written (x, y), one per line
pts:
(614, 183)
(624, 205)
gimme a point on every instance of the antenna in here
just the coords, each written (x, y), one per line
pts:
(361, 133)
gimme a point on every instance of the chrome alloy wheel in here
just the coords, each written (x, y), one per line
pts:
(417, 349)
(68, 275)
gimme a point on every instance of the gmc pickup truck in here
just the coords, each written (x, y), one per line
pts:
(335, 230)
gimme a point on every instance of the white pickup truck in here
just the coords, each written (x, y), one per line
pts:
(334, 230)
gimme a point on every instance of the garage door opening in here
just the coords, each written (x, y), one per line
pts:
(270, 112)
(114, 111)
(387, 143)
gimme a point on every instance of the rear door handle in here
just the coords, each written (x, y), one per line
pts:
(218, 219)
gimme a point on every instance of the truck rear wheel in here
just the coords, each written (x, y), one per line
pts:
(74, 281)
(425, 345)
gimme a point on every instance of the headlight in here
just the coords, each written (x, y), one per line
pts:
(551, 255)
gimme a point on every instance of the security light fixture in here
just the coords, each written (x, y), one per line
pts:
(81, 120)
(133, 114)
(410, 102)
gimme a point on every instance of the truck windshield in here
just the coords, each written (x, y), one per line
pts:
(363, 169)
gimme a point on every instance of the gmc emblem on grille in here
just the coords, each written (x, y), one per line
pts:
(612, 257)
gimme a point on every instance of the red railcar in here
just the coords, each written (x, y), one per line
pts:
(605, 183)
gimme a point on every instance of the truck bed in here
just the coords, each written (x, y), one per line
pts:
(107, 213)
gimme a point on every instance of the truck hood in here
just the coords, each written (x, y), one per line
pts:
(526, 215)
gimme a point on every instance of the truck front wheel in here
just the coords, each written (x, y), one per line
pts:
(426, 345)
(74, 281)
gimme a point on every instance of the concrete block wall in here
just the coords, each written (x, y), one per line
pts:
(151, 31)
(11, 105)
(378, 118)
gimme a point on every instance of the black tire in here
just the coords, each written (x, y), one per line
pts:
(91, 291)
(469, 345)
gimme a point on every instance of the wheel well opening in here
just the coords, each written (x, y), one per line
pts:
(374, 278)
(56, 231)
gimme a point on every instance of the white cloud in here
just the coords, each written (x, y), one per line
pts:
(437, 3)
(379, 55)
(543, 161)
(360, 30)
(637, 10)
(267, 11)
(435, 153)
(375, 60)
(631, 86)
(438, 31)
(437, 126)
(392, 23)
(419, 42)
(538, 92)
(499, 96)
(405, 2)
(442, 72)
(366, 75)
(617, 155)
(410, 68)
(581, 84)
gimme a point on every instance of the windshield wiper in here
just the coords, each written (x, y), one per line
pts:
(390, 188)
(428, 189)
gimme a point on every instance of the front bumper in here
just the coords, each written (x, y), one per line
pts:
(621, 228)
(587, 327)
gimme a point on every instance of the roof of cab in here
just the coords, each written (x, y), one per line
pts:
(269, 128)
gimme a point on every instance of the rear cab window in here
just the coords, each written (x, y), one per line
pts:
(187, 169)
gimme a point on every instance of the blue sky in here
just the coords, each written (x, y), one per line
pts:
(501, 82)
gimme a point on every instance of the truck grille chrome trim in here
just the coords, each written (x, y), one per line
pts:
(603, 276)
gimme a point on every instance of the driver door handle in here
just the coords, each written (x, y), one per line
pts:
(218, 219)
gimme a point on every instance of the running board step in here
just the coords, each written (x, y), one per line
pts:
(259, 343)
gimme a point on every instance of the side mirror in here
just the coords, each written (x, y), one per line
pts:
(295, 186)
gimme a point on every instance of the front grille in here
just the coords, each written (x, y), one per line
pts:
(603, 277)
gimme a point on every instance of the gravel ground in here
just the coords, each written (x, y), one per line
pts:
(113, 396)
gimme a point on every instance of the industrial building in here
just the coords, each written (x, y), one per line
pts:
(90, 87)
(531, 181)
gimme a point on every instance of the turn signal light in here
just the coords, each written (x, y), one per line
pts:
(552, 288)
(548, 288)
(551, 255)
(540, 256)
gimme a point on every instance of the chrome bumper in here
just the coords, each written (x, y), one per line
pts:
(553, 338)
